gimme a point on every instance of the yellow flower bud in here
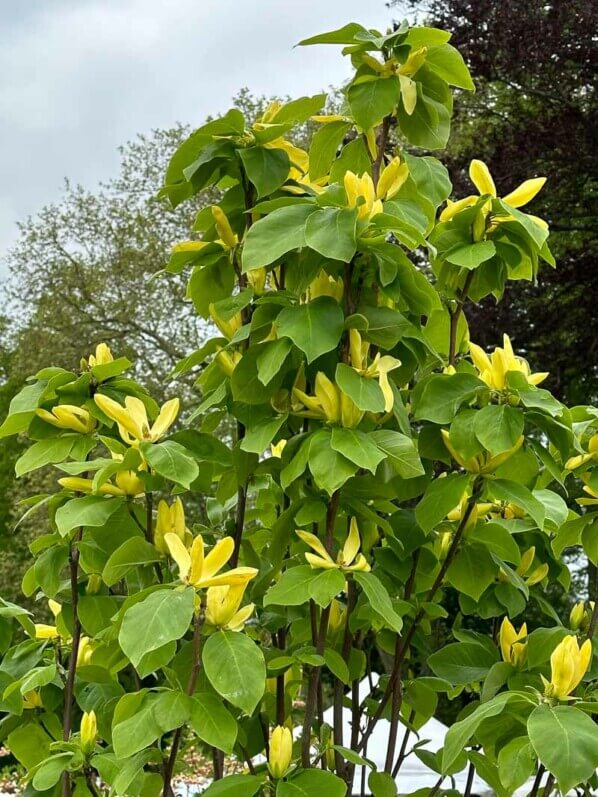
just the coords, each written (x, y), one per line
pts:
(222, 607)
(68, 416)
(569, 663)
(89, 732)
(94, 584)
(223, 227)
(392, 179)
(577, 615)
(281, 752)
(257, 279)
(513, 650)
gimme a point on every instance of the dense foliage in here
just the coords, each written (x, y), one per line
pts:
(379, 457)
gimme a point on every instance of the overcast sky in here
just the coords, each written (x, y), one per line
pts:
(80, 77)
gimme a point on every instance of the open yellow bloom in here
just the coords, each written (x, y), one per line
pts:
(126, 482)
(569, 663)
(329, 403)
(102, 356)
(222, 606)
(512, 648)
(170, 520)
(482, 179)
(44, 631)
(362, 188)
(201, 571)
(348, 559)
(281, 752)
(88, 731)
(133, 424)
(69, 416)
(392, 179)
(494, 368)
(537, 574)
(583, 459)
(325, 285)
(481, 463)
(378, 369)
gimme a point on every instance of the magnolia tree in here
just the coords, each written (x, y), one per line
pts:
(379, 460)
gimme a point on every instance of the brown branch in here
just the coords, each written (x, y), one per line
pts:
(455, 315)
(69, 691)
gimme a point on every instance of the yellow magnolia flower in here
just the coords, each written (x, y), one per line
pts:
(32, 700)
(494, 368)
(512, 648)
(349, 559)
(298, 157)
(281, 752)
(582, 459)
(329, 403)
(102, 356)
(569, 663)
(133, 424)
(337, 616)
(405, 72)
(222, 607)
(85, 651)
(170, 520)
(127, 482)
(228, 326)
(325, 285)
(228, 361)
(44, 631)
(201, 571)
(392, 179)
(362, 188)
(482, 179)
(536, 575)
(578, 617)
(592, 500)
(223, 228)
(276, 449)
(378, 369)
(257, 279)
(481, 463)
(88, 732)
(69, 416)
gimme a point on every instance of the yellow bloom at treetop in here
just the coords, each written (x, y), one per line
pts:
(102, 356)
(201, 571)
(349, 558)
(494, 368)
(512, 648)
(569, 663)
(132, 421)
(222, 607)
(482, 179)
(70, 417)
(378, 369)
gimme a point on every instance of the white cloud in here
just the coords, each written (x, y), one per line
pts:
(81, 77)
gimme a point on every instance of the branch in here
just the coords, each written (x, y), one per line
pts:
(69, 692)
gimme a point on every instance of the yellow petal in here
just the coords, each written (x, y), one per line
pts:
(352, 543)
(238, 620)
(352, 185)
(408, 93)
(525, 192)
(179, 553)
(118, 413)
(314, 542)
(43, 631)
(165, 419)
(218, 557)
(482, 179)
(360, 564)
(355, 351)
(234, 577)
(317, 562)
(452, 208)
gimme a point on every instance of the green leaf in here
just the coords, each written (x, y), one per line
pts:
(365, 393)
(429, 124)
(566, 742)
(459, 734)
(519, 495)
(439, 397)
(314, 327)
(235, 667)
(292, 589)
(448, 64)
(266, 168)
(329, 468)
(134, 552)
(49, 771)
(258, 437)
(382, 784)
(325, 586)
(312, 783)
(472, 570)
(299, 110)
(498, 427)
(497, 539)
(246, 384)
(335, 662)
(89, 510)
(401, 451)
(358, 447)
(372, 100)
(211, 283)
(234, 786)
(461, 663)
(331, 232)
(45, 452)
(516, 763)
(142, 717)
(324, 146)
(471, 255)
(161, 617)
(271, 358)
(22, 408)
(171, 460)
(379, 599)
(212, 722)
(344, 35)
(431, 178)
(442, 495)
(275, 234)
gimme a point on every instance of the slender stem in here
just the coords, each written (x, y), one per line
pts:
(280, 690)
(455, 315)
(537, 781)
(69, 690)
(217, 764)
(594, 618)
(436, 787)
(469, 783)
(191, 683)
(382, 140)
(549, 786)
(339, 690)
(403, 750)
(312, 691)
(149, 530)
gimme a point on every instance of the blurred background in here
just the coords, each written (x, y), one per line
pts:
(95, 96)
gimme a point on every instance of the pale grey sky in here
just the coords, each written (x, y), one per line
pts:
(80, 77)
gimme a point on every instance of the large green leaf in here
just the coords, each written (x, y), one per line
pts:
(314, 327)
(274, 235)
(442, 495)
(358, 447)
(134, 552)
(447, 63)
(329, 468)
(292, 588)
(371, 100)
(518, 494)
(171, 460)
(471, 256)
(89, 510)
(462, 662)
(365, 393)
(267, 168)
(429, 124)
(565, 740)
(234, 786)
(401, 452)
(498, 427)
(45, 452)
(325, 586)
(140, 719)
(379, 599)
(472, 570)
(312, 783)
(212, 722)
(161, 617)
(235, 667)
(438, 397)
(331, 232)
(323, 147)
